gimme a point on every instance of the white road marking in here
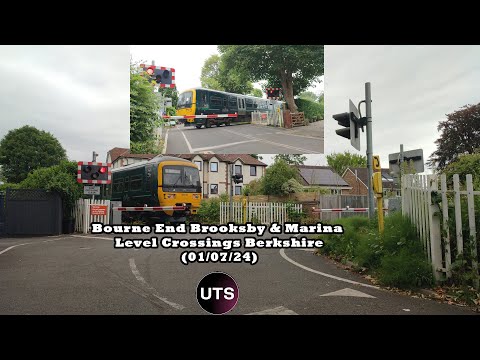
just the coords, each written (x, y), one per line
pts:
(92, 237)
(166, 142)
(303, 151)
(305, 136)
(222, 146)
(188, 143)
(14, 246)
(280, 310)
(349, 292)
(282, 253)
(140, 278)
(406, 310)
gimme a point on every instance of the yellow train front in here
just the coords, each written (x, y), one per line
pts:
(234, 108)
(161, 181)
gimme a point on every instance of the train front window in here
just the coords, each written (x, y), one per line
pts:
(182, 177)
(185, 100)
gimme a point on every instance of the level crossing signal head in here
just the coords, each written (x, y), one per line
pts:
(237, 178)
(93, 173)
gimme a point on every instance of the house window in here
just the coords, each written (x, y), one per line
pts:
(253, 170)
(136, 182)
(213, 189)
(238, 169)
(335, 191)
(238, 190)
(199, 165)
(214, 166)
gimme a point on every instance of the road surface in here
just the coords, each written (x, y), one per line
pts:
(84, 274)
(246, 139)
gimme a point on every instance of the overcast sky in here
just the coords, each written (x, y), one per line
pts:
(187, 60)
(413, 87)
(80, 94)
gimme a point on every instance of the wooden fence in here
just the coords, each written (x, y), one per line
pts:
(257, 212)
(83, 214)
(426, 201)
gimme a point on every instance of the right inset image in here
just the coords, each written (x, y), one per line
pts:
(227, 99)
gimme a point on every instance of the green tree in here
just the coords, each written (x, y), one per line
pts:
(460, 134)
(292, 186)
(217, 76)
(276, 175)
(25, 149)
(61, 178)
(256, 92)
(144, 113)
(254, 187)
(339, 162)
(294, 67)
(170, 93)
(291, 159)
(308, 95)
(465, 164)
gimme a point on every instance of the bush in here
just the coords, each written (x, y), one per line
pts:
(312, 110)
(209, 211)
(396, 257)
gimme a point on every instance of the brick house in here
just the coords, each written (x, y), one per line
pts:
(357, 178)
(322, 176)
(119, 157)
(215, 171)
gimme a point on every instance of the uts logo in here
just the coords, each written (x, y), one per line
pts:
(217, 293)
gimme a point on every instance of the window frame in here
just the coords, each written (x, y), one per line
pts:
(210, 189)
(210, 167)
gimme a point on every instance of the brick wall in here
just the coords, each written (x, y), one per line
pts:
(358, 188)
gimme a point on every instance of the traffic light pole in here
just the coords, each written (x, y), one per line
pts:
(368, 105)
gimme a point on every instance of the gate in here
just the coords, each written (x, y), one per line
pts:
(2, 213)
(264, 213)
(32, 212)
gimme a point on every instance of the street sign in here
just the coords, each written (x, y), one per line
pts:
(91, 190)
(412, 155)
(98, 210)
(354, 128)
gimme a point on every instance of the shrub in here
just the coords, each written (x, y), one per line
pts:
(312, 110)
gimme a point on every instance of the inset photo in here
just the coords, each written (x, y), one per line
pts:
(227, 99)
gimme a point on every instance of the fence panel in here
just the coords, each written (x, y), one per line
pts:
(257, 212)
(83, 217)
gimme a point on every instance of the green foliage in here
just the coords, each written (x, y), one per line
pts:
(465, 164)
(26, 149)
(291, 159)
(313, 111)
(254, 187)
(396, 257)
(293, 67)
(170, 110)
(276, 175)
(292, 186)
(209, 211)
(170, 93)
(217, 76)
(144, 113)
(460, 134)
(308, 95)
(256, 156)
(256, 92)
(6, 186)
(294, 215)
(339, 162)
(61, 178)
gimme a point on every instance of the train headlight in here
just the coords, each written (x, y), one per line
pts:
(196, 196)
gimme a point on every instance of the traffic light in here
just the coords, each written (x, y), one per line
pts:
(273, 93)
(164, 77)
(94, 173)
(237, 178)
(352, 123)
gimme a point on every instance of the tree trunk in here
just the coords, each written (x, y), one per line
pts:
(287, 85)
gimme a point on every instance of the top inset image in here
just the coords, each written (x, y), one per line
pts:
(227, 99)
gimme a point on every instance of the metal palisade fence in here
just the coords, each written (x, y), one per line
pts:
(258, 212)
(444, 218)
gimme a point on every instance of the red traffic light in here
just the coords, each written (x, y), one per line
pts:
(150, 70)
(103, 170)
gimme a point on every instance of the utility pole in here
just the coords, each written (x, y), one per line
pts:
(231, 192)
(94, 159)
(368, 105)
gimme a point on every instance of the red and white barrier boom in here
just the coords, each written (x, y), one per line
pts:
(211, 116)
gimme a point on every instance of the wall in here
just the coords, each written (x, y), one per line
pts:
(358, 188)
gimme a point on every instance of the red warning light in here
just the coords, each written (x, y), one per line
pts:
(103, 170)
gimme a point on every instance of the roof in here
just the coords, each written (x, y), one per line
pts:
(229, 158)
(116, 152)
(362, 174)
(320, 175)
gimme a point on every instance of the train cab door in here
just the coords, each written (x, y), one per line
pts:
(242, 110)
